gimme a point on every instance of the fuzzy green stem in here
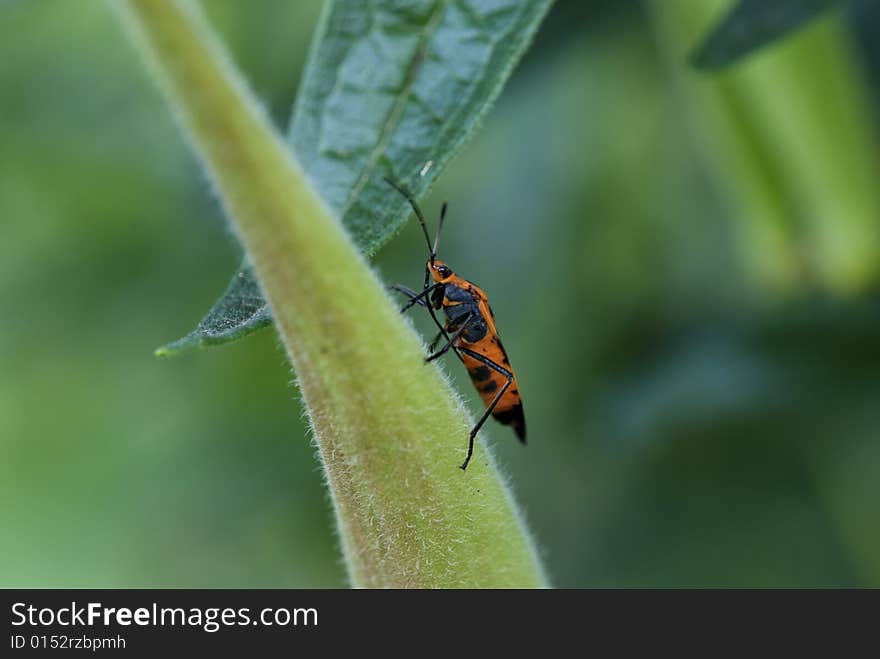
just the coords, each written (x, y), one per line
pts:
(389, 429)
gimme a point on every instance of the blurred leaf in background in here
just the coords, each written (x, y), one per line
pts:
(754, 24)
(703, 411)
(788, 136)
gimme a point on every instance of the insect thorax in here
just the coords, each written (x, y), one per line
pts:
(463, 305)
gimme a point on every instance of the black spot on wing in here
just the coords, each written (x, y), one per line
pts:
(489, 387)
(480, 373)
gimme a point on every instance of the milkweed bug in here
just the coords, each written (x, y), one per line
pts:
(469, 332)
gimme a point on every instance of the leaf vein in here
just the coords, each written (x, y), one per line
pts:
(397, 110)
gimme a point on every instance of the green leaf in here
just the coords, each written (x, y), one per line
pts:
(753, 24)
(390, 89)
(240, 311)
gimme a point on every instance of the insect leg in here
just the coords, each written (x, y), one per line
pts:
(410, 293)
(441, 334)
(417, 298)
(491, 406)
(451, 340)
(433, 345)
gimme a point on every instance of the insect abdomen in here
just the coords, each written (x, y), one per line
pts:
(460, 301)
(487, 381)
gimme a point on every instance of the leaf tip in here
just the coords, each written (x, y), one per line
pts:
(184, 344)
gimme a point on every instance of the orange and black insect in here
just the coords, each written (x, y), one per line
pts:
(469, 332)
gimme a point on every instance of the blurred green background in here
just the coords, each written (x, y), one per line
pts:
(683, 266)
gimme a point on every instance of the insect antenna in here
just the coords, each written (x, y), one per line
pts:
(418, 211)
(439, 229)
